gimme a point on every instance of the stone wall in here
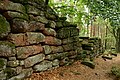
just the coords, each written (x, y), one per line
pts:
(34, 39)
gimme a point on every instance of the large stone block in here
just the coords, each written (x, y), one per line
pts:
(68, 47)
(4, 27)
(36, 26)
(30, 61)
(41, 19)
(56, 49)
(34, 11)
(10, 6)
(25, 73)
(70, 39)
(18, 39)
(21, 25)
(35, 37)
(69, 24)
(67, 32)
(47, 49)
(43, 66)
(3, 63)
(19, 15)
(24, 52)
(12, 71)
(52, 41)
(57, 56)
(7, 49)
(49, 32)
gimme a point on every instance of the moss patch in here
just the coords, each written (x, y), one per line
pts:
(1, 63)
(7, 43)
(4, 26)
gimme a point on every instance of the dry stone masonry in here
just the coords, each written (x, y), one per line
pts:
(34, 39)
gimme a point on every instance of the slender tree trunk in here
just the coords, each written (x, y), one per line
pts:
(118, 40)
(106, 36)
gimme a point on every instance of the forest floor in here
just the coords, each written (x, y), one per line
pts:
(77, 71)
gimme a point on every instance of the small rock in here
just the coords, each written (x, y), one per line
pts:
(88, 63)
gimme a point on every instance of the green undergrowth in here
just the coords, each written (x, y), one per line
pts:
(115, 70)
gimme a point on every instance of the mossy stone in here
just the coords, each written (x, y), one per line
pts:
(3, 63)
(7, 43)
(10, 72)
(7, 49)
(4, 27)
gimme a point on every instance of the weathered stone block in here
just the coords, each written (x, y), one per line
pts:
(68, 47)
(56, 49)
(12, 58)
(18, 39)
(24, 52)
(70, 39)
(47, 49)
(14, 63)
(7, 49)
(4, 27)
(68, 24)
(67, 32)
(52, 41)
(19, 25)
(72, 53)
(10, 72)
(43, 66)
(34, 59)
(57, 56)
(55, 62)
(10, 6)
(36, 26)
(88, 63)
(41, 19)
(34, 37)
(3, 63)
(51, 56)
(25, 73)
(19, 15)
(51, 24)
(34, 11)
(2, 75)
(49, 32)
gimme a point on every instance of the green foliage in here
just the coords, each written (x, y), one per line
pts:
(115, 71)
(75, 11)
(108, 9)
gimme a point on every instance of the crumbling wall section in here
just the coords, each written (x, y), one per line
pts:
(34, 39)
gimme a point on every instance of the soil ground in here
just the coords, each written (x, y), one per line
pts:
(77, 71)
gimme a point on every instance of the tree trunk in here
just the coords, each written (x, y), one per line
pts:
(118, 40)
